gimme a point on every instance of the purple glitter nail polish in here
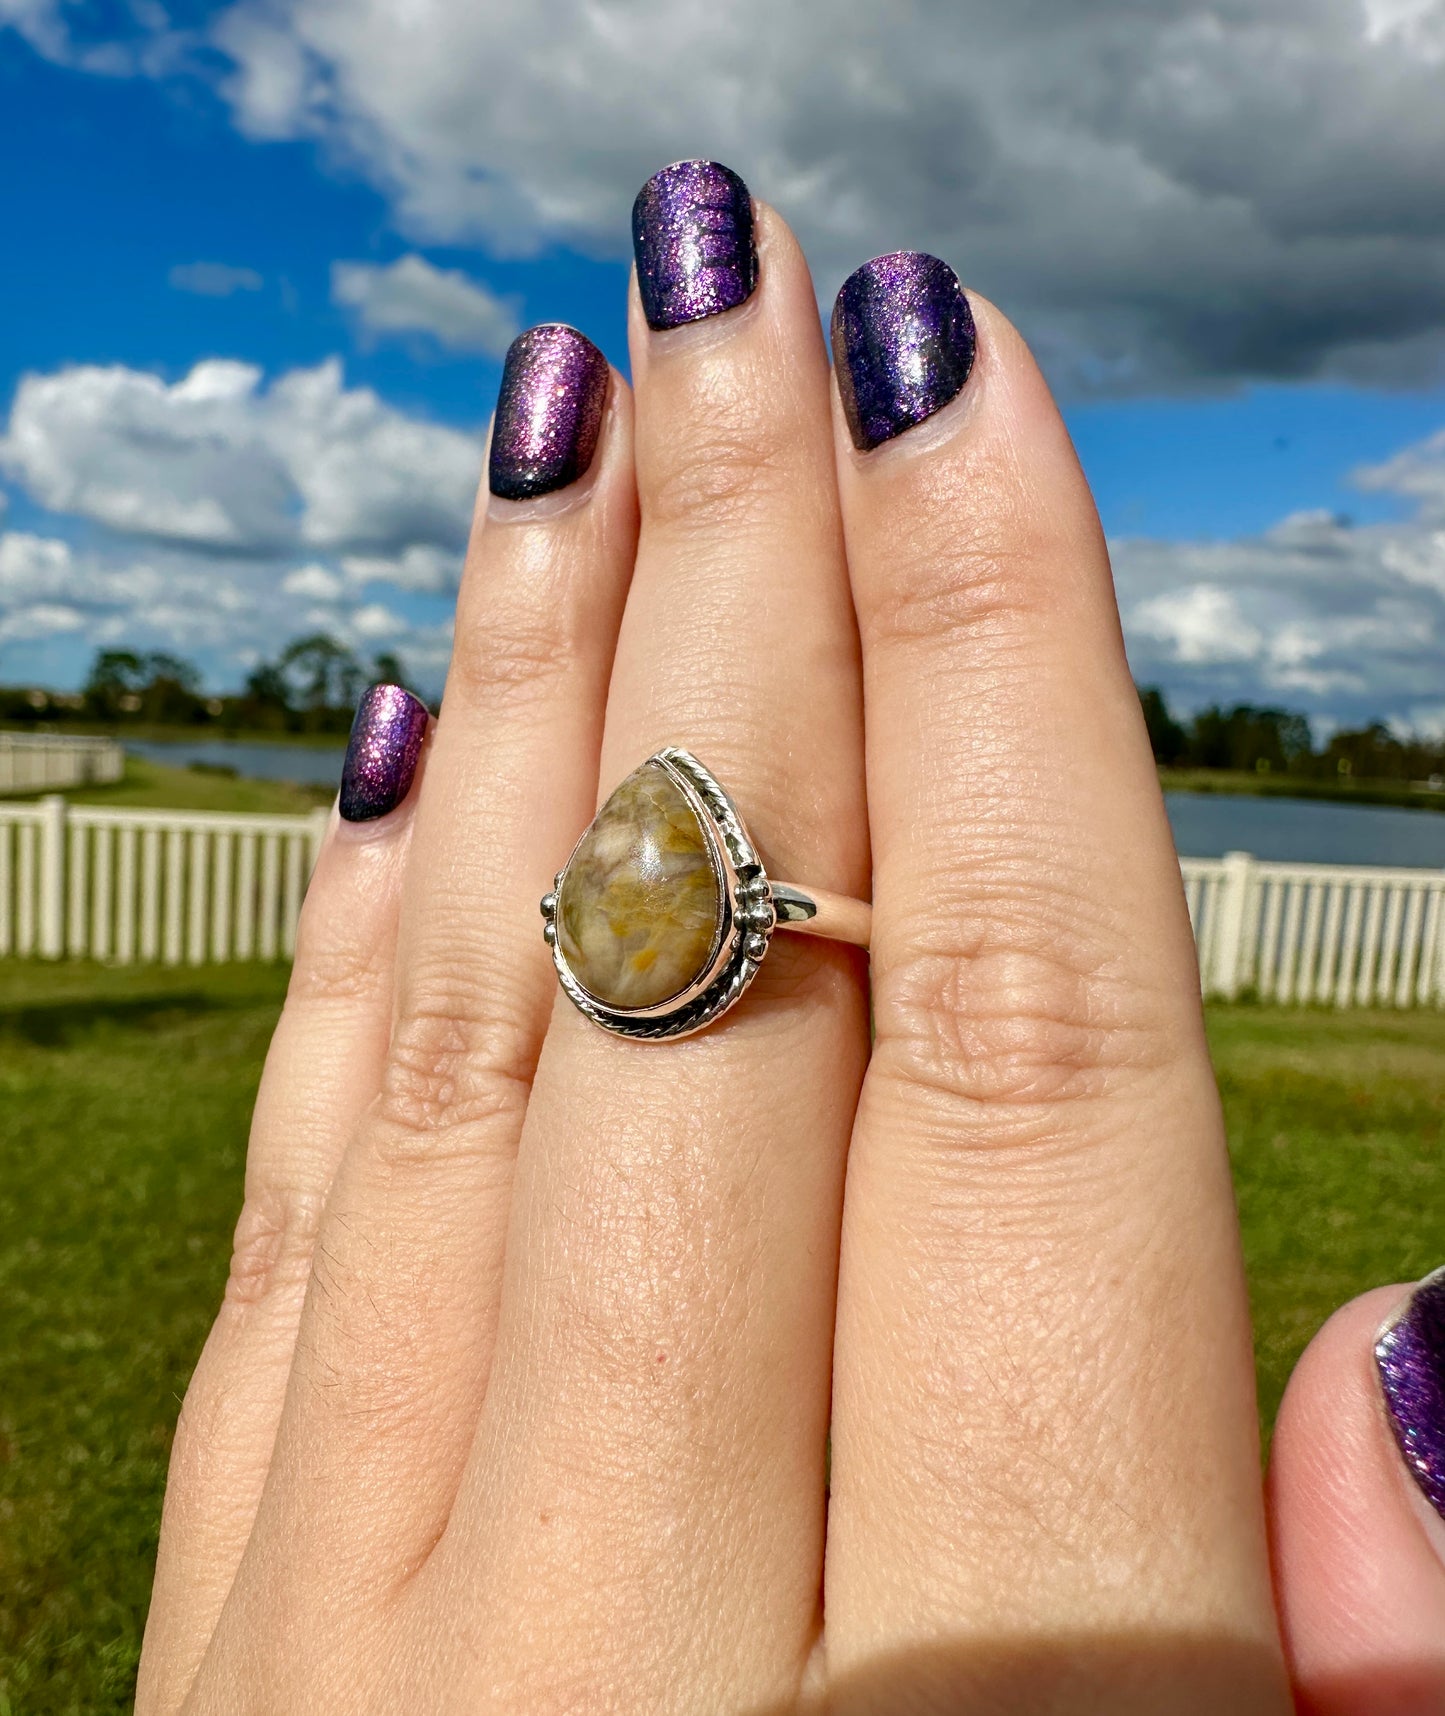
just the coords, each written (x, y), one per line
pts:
(549, 412)
(382, 752)
(903, 344)
(1411, 1359)
(692, 231)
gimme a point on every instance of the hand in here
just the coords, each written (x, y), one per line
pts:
(520, 1398)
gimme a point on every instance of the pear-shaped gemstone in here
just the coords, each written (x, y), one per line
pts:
(639, 908)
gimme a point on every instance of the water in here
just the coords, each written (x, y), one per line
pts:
(1305, 831)
(1206, 825)
(311, 765)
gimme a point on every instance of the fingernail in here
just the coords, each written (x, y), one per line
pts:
(903, 344)
(382, 752)
(692, 231)
(549, 412)
(1411, 1359)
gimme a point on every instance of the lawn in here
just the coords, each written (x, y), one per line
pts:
(1252, 784)
(158, 786)
(119, 1183)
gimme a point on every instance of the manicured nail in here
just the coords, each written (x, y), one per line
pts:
(549, 412)
(1411, 1359)
(903, 344)
(381, 754)
(692, 231)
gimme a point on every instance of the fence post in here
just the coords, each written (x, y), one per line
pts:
(315, 834)
(50, 941)
(1230, 953)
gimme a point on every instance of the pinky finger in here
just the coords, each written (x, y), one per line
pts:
(1359, 1549)
(320, 1074)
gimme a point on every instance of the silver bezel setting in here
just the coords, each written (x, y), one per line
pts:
(746, 919)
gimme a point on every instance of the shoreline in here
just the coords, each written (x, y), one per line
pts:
(1398, 795)
(1237, 783)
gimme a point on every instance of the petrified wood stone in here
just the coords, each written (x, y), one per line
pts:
(638, 911)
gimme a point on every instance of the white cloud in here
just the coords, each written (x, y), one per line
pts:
(1346, 623)
(410, 296)
(421, 567)
(219, 462)
(38, 620)
(214, 279)
(39, 22)
(1417, 473)
(316, 583)
(32, 567)
(226, 613)
(376, 621)
(1200, 623)
(1162, 195)
(1159, 193)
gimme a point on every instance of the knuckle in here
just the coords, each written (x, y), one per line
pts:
(726, 478)
(273, 1244)
(339, 958)
(445, 1075)
(977, 578)
(1018, 1021)
(513, 648)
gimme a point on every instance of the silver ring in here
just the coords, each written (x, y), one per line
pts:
(663, 914)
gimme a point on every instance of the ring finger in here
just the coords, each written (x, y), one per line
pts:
(667, 1308)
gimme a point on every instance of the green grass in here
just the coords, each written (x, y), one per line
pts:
(125, 1102)
(1337, 1133)
(1398, 794)
(158, 786)
(126, 1097)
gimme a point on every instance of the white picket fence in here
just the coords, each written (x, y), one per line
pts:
(1331, 934)
(46, 762)
(151, 886)
(172, 887)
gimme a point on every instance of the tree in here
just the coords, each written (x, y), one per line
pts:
(1373, 753)
(116, 675)
(388, 669)
(171, 694)
(322, 676)
(156, 687)
(1246, 737)
(266, 686)
(1166, 736)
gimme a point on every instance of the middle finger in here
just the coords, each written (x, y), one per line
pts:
(667, 1308)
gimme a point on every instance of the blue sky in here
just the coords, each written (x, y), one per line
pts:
(1225, 396)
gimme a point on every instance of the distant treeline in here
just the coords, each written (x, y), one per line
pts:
(1279, 741)
(311, 687)
(313, 684)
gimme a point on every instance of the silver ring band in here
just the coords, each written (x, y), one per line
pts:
(831, 917)
(664, 913)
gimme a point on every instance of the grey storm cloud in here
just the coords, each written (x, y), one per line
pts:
(1165, 194)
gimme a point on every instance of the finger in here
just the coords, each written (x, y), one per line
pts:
(649, 1473)
(1042, 1336)
(1359, 1549)
(397, 1331)
(321, 1072)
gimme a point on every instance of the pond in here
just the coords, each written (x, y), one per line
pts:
(311, 765)
(1305, 831)
(1206, 825)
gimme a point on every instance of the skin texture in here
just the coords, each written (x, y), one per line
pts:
(522, 1394)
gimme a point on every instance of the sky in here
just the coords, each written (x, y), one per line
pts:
(259, 264)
